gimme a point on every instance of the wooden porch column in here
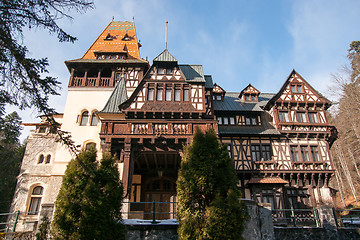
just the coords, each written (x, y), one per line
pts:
(71, 82)
(128, 168)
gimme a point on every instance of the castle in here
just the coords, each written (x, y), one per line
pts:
(144, 113)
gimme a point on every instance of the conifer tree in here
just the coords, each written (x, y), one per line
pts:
(209, 205)
(89, 202)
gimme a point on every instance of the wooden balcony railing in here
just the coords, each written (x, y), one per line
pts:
(286, 127)
(91, 82)
(159, 128)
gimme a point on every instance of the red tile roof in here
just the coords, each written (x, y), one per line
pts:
(268, 180)
(114, 38)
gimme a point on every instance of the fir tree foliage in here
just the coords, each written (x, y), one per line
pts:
(89, 202)
(11, 154)
(209, 205)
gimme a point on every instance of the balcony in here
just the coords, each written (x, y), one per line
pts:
(92, 82)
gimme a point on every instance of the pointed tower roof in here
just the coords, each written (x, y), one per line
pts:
(117, 97)
(165, 56)
(113, 39)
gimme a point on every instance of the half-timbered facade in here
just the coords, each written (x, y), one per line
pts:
(143, 114)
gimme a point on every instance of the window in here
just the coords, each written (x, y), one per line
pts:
(297, 89)
(301, 117)
(267, 196)
(84, 118)
(35, 200)
(41, 159)
(228, 147)
(159, 94)
(177, 95)
(251, 120)
(186, 94)
(284, 116)
(48, 159)
(232, 120)
(168, 95)
(150, 96)
(42, 129)
(90, 145)
(313, 118)
(168, 71)
(226, 120)
(160, 71)
(266, 152)
(220, 120)
(315, 153)
(261, 152)
(295, 153)
(94, 120)
(218, 97)
(247, 97)
(305, 153)
(255, 153)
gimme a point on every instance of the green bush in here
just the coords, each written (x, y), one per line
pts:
(89, 202)
(209, 200)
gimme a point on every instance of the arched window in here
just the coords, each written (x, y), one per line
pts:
(84, 118)
(48, 158)
(94, 119)
(90, 145)
(41, 159)
(35, 200)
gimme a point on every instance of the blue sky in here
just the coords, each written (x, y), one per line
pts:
(237, 42)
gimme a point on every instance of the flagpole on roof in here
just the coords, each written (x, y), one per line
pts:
(166, 30)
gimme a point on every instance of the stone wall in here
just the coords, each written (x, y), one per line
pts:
(316, 233)
(152, 232)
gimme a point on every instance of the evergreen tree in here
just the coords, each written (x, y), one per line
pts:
(11, 154)
(89, 202)
(209, 205)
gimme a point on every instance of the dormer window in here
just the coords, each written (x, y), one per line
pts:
(109, 37)
(127, 37)
(218, 93)
(249, 94)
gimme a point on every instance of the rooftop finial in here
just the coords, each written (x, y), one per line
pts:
(112, 19)
(133, 19)
(166, 34)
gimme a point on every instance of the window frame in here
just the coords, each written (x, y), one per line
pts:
(150, 94)
(301, 117)
(168, 94)
(93, 115)
(48, 159)
(82, 121)
(252, 120)
(311, 118)
(305, 153)
(35, 200)
(186, 94)
(41, 159)
(261, 151)
(159, 94)
(284, 115)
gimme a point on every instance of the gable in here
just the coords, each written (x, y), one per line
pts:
(297, 90)
(218, 89)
